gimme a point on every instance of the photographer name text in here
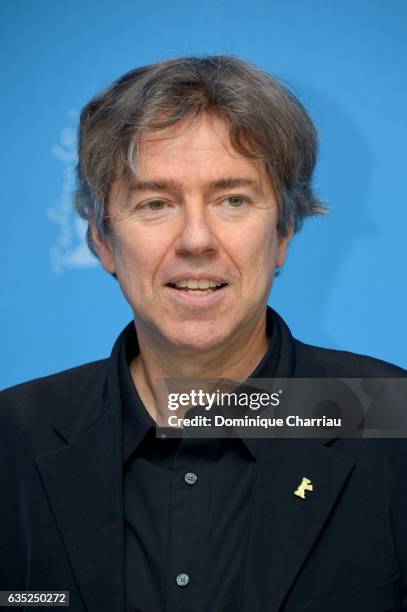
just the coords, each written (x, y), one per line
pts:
(257, 421)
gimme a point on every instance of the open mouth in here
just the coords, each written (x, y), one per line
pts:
(195, 287)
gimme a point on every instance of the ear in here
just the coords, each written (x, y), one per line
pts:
(103, 247)
(283, 248)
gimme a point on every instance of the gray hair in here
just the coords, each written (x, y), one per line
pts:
(266, 122)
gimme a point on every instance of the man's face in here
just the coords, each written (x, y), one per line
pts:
(194, 242)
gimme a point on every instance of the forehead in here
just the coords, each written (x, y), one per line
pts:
(194, 148)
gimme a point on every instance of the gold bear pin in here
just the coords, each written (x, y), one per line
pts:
(306, 485)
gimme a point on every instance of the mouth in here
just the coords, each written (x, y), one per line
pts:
(197, 287)
(193, 289)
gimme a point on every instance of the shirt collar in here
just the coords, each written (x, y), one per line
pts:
(276, 363)
(136, 419)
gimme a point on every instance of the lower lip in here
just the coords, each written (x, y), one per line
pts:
(194, 298)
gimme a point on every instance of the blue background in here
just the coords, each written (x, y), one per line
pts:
(344, 285)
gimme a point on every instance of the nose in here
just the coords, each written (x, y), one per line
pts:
(196, 236)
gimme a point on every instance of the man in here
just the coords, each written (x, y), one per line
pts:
(194, 174)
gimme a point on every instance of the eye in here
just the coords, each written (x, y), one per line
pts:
(236, 201)
(154, 205)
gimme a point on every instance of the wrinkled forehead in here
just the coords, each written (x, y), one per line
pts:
(198, 145)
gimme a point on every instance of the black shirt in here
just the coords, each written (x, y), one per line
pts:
(186, 504)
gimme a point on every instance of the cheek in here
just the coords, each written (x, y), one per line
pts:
(138, 254)
(255, 249)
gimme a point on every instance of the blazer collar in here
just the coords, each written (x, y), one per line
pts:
(83, 481)
(285, 527)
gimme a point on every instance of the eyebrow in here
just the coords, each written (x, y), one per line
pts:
(175, 186)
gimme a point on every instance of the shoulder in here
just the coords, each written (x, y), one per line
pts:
(33, 397)
(334, 363)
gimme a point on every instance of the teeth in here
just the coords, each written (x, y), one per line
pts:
(191, 283)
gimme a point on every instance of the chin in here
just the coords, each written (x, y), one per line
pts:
(196, 338)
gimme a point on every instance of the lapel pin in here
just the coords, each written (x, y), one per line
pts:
(306, 485)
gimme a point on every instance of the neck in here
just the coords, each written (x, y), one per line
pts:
(158, 359)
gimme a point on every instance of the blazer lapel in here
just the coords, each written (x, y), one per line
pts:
(285, 526)
(83, 480)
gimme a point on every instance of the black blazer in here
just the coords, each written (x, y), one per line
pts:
(343, 549)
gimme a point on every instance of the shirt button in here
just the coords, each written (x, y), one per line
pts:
(190, 478)
(182, 580)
